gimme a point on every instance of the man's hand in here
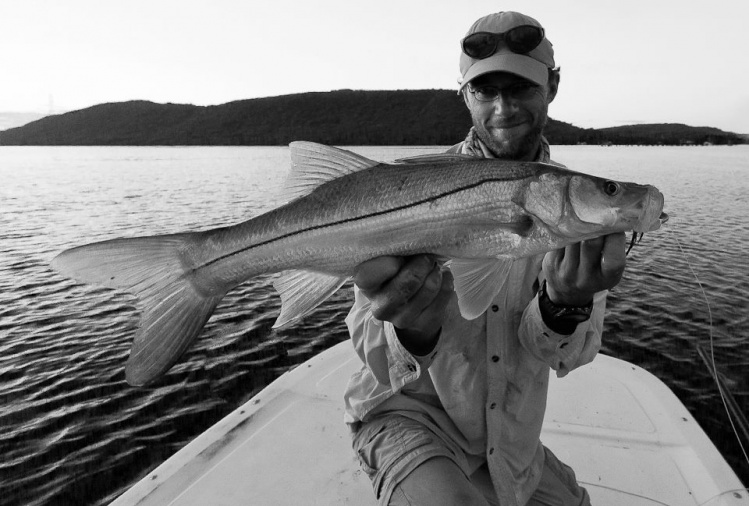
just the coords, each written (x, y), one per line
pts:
(575, 273)
(410, 292)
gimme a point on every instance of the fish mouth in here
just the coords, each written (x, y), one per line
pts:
(652, 216)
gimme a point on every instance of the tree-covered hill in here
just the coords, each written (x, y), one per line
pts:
(343, 117)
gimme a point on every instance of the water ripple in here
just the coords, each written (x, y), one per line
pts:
(75, 433)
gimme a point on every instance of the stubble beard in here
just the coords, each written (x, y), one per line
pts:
(526, 147)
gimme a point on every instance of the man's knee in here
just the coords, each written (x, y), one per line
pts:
(558, 486)
(437, 482)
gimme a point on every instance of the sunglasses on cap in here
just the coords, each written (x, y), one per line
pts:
(521, 39)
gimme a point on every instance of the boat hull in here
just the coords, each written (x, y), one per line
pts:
(629, 439)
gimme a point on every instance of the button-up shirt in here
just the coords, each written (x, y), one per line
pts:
(485, 383)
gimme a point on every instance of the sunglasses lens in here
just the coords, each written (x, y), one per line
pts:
(524, 39)
(521, 39)
(480, 45)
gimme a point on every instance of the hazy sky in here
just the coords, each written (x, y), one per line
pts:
(623, 61)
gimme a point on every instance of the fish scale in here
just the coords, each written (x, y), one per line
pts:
(403, 202)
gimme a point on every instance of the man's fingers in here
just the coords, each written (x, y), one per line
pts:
(555, 257)
(614, 258)
(571, 257)
(590, 255)
(411, 277)
(437, 286)
(587, 267)
(372, 274)
(563, 263)
(389, 299)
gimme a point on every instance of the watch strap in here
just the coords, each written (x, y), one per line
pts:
(559, 318)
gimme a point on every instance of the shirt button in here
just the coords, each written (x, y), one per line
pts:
(495, 308)
(493, 405)
(491, 451)
(495, 358)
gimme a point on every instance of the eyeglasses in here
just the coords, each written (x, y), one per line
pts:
(521, 39)
(517, 91)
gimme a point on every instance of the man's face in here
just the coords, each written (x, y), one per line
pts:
(511, 126)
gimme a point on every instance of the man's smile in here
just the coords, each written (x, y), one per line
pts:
(510, 126)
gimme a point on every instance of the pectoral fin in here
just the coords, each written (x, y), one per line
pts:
(477, 283)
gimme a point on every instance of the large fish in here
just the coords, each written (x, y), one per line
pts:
(344, 209)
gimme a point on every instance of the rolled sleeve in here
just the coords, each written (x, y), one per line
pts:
(563, 353)
(378, 346)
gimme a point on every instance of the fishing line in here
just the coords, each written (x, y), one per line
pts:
(714, 372)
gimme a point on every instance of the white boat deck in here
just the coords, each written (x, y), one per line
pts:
(629, 439)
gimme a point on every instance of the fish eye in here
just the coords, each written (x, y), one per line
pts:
(611, 188)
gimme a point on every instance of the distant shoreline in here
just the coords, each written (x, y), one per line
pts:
(343, 117)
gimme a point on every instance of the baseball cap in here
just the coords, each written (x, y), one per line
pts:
(533, 65)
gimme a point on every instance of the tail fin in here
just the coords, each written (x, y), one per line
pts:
(153, 269)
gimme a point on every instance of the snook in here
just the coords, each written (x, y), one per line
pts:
(344, 209)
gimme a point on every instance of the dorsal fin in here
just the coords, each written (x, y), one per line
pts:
(314, 164)
(437, 158)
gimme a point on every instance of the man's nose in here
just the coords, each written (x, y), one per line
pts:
(505, 103)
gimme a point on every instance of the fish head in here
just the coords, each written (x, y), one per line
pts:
(576, 206)
(603, 206)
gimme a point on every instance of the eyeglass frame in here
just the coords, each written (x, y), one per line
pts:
(527, 86)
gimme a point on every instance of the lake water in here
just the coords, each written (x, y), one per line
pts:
(73, 432)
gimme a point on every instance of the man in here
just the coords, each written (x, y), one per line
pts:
(447, 411)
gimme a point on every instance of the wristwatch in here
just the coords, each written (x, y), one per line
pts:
(561, 319)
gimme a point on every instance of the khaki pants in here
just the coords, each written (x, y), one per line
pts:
(410, 465)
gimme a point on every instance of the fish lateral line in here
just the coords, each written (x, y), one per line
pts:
(522, 228)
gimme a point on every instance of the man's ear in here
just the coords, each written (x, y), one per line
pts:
(553, 84)
(464, 92)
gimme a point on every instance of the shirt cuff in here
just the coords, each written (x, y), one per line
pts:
(561, 352)
(405, 367)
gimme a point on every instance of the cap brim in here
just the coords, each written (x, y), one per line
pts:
(518, 64)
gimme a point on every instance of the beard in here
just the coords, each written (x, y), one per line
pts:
(521, 148)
